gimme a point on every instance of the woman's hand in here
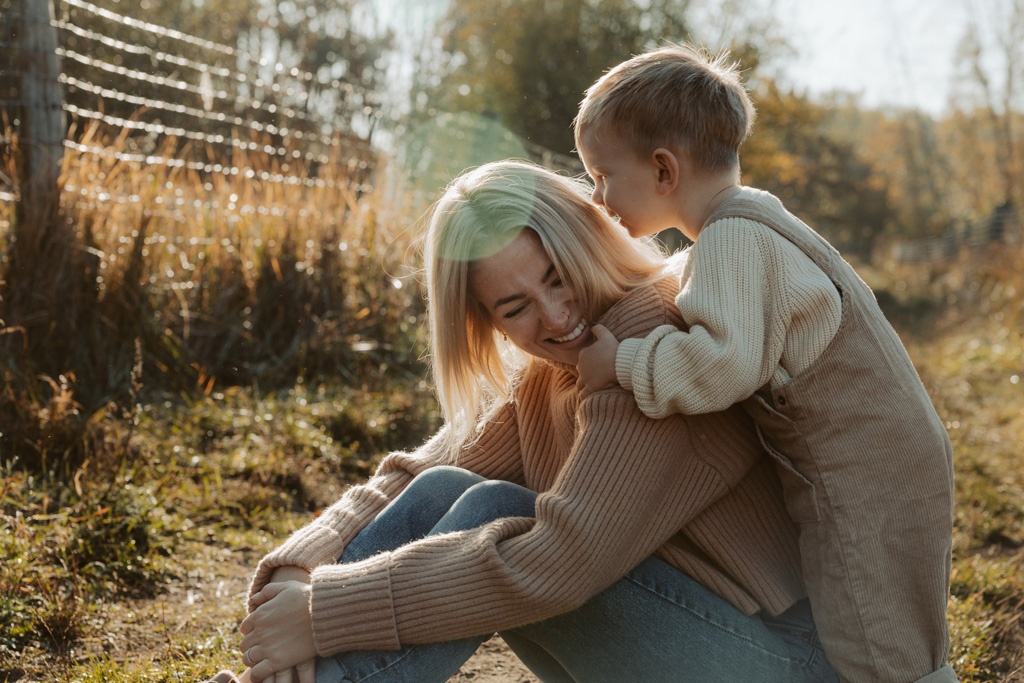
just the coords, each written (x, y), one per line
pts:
(280, 575)
(278, 633)
(597, 362)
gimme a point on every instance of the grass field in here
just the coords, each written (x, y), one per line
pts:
(128, 530)
(132, 568)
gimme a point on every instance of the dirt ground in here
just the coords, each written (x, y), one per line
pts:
(199, 611)
(494, 663)
(204, 593)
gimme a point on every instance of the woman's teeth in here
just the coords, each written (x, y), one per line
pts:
(572, 335)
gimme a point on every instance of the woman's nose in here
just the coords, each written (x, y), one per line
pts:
(556, 315)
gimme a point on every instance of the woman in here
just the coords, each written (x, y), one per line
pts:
(601, 545)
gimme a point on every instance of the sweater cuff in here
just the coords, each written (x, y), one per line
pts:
(352, 607)
(308, 548)
(624, 358)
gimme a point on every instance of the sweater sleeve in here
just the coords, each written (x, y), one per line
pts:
(590, 528)
(495, 455)
(733, 299)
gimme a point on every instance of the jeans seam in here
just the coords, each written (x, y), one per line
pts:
(717, 625)
(388, 663)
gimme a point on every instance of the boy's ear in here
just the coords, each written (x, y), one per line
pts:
(666, 165)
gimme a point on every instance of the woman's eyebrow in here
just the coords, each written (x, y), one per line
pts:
(513, 297)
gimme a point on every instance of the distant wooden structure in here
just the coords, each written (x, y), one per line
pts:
(1005, 226)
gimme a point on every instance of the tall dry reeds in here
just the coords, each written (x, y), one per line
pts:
(188, 280)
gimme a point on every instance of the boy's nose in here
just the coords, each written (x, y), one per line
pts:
(595, 197)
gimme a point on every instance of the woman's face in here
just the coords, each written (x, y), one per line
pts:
(528, 301)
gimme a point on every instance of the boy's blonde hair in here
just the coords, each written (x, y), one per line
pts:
(678, 96)
(480, 213)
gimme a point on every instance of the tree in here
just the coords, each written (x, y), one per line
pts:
(821, 177)
(528, 62)
(342, 44)
(991, 95)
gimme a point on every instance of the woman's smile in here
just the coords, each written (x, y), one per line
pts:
(574, 334)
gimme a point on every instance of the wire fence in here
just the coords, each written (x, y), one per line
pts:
(1004, 226)
(171, 99)
(227, 111)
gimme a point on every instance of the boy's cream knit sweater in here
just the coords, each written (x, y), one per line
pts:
(760, 313)
(615, 487)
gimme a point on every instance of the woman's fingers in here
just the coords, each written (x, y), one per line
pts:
(286, 676)
(263, 671)
(265, 594)
(278, 635)
(250, 655)
(307, 671)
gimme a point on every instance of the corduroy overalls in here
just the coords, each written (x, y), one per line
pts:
(867, 470)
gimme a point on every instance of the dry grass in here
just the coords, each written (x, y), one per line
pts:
(965, 330)
(235, 275)
(191, 281)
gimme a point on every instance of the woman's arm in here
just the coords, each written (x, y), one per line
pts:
(629, 484)
(494, 455)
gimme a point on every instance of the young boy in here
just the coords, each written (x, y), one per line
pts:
(778, 321)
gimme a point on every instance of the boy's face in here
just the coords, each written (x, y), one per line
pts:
(624, 184)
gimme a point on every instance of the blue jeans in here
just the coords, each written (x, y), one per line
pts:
(654, 625)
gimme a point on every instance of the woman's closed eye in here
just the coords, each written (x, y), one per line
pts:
(514, 312)
(557, 283)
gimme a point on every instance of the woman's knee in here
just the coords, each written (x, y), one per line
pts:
(490, 500)
(444, 481)
(412, 515)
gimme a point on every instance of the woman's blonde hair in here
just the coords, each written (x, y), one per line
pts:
(480, 213)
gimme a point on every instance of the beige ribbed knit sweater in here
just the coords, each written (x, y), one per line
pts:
(759, 312)
(615, 487)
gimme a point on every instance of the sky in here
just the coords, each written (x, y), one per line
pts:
(890, 52)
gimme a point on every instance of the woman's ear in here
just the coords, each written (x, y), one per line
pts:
(666, 164)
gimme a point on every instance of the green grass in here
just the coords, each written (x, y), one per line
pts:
(976, 382)
(134, 567)
(962, 324)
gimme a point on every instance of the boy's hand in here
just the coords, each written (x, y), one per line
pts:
(597, 362)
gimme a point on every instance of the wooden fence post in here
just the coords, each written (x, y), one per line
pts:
(43, 121)
(38, 285)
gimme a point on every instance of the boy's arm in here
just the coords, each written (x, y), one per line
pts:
(597, 362)
(733, 303)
